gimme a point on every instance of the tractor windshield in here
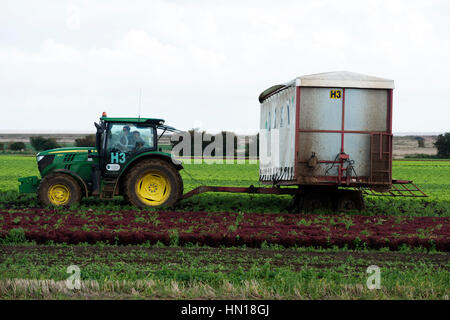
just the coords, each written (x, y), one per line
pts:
(130, 138)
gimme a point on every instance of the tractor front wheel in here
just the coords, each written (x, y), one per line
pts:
(59, 189)
(153, 183)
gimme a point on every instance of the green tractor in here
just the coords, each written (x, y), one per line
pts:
(126, 161)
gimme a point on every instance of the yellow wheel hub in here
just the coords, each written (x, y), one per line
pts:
(153, 188)
(59, 194)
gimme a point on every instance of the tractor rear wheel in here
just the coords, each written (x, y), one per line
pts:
(153, 183)
(59, 189)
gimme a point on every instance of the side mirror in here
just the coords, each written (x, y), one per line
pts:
(99, 127)
(98, 136)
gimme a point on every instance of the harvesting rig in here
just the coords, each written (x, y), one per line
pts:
(325, 138)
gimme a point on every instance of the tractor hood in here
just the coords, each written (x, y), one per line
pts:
(63, 158)
(66, 150)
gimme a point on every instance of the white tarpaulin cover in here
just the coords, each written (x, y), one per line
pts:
(277, 136)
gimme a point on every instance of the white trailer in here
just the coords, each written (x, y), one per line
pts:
(331, 128)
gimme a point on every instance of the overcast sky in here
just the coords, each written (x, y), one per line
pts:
(204, 63)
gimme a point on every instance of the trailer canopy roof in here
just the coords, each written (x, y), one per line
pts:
(335, 79)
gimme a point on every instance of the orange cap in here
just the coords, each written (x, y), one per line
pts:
(104, 114)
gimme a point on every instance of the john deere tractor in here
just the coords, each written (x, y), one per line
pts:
(126, 161)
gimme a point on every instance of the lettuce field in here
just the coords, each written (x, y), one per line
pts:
(228, 229)
(227, 245)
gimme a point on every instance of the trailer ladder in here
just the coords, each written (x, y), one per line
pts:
(380, 158)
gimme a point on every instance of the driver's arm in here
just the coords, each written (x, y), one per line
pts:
(123, 143)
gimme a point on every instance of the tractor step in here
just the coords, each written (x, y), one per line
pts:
(108, 187)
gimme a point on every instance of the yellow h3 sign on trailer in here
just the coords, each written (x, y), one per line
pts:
(335, 94)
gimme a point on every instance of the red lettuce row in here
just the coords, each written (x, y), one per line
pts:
(229, 229)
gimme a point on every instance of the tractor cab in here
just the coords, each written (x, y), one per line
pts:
(119, 140)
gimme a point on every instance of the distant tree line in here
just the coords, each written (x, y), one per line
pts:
(86, 141)
(13, 146)
(17, 146)
(41, 143)
(443, 145)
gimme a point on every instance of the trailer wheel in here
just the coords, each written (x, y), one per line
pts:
(297, 202)
(59, 189)
(153, 183)
(313, 200)
(350, 200)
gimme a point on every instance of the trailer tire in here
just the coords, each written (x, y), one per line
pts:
(316, 200)
(153, 183)
(350, 200)
(59, 189)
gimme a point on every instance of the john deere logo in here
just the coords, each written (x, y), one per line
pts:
(113, 167)
(335, 94)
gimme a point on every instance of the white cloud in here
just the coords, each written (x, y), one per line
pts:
(208, 61)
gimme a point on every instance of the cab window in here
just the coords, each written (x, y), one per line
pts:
(128, 138)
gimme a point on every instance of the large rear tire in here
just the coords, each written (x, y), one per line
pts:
(59, 189)
(153, 183)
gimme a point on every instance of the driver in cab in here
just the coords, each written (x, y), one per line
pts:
(137, 141)
(121, 141)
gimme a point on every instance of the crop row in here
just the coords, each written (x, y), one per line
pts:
(228, 229)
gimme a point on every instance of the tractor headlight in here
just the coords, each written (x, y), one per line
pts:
(44, 161)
